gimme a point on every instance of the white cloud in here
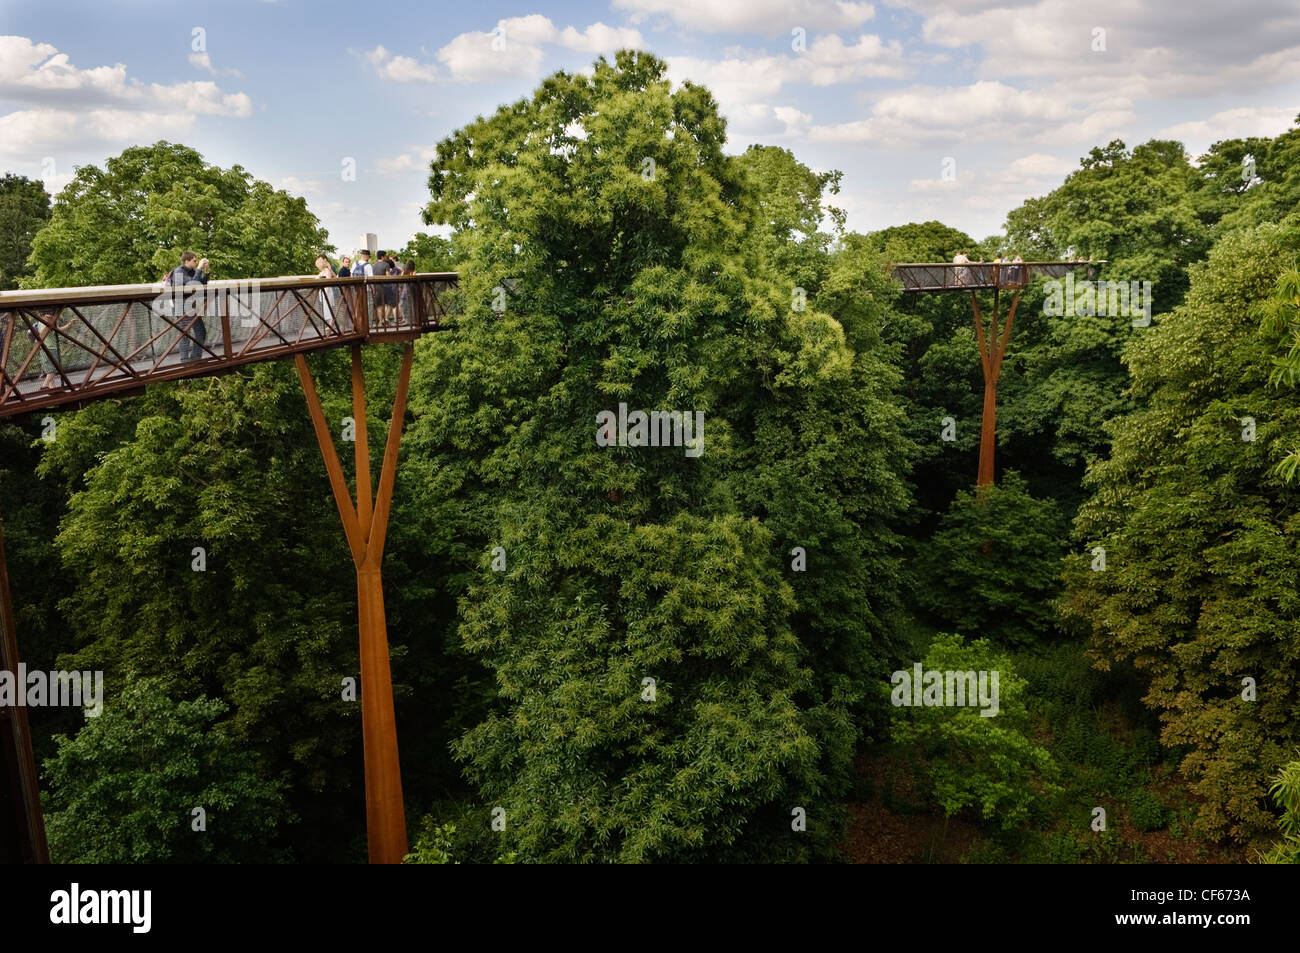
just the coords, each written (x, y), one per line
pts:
(417, 158)
(745, 83)
(985, 110)
(516, 47)
(1242, 123)
(1152, 48)
(66, 108)
(57, 131)
(204, 62)
(759, 17)
(401, 69)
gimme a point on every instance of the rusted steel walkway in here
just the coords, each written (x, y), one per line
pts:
(70, 345)
(974, 276)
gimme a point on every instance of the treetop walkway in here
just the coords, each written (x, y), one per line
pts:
(71, 345)
(977, 276)
(992, 331)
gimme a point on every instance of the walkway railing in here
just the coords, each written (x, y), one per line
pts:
(67, 345)
(978, 275)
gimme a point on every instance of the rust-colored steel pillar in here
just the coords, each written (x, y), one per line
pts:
(993, 348)
(19, 764)
(365, 527)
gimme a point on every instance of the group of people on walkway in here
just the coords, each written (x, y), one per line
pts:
(978, 272)
(391, 300)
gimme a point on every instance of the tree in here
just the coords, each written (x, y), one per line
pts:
(1286, 795)
(1282, 321)
(973, 760)
(1230, 196)
(994, 565)
(1199, 535)
(429, 252)
(930, 339)
(24, 209)
(592, 278)
(129, 222)
(1134, 209)
(205, 552)
(125, 790)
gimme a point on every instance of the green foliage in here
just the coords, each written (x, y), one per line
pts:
(1133, 209)
(985, 763)
(1286, 795)
(930, 339)
(1229, 200)
(128, 223)
(24, 209)
(788, 198)
(123, 790)
(434, 845)
(659, 291)
(993, 566)
(1201, 538)
(228, 465)
(1282, 321)
(441, 844)
(1146, 812)
(429, 252)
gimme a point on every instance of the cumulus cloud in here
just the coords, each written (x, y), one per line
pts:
(759, 17)
(1199, 135)
(65, 108)
(416, 158)
(204, 62)
(515, 47)
(37, 74)
(1156, 47)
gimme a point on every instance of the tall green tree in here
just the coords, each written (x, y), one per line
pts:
(1252, 181)
(973, 760)
(1200, 535)
(1135, 209)
(151, 780)
(24, 209)
(129, 221)
(595, 277)
(228, 466)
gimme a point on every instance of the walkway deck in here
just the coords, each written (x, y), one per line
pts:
(70, 345)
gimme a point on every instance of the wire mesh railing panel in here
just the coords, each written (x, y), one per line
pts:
(63, 345)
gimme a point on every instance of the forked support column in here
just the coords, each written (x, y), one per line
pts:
(365, 528)
(24, 824)
(993, 348)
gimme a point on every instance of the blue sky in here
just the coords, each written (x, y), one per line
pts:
(1005, 97)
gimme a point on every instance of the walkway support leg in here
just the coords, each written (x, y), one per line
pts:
(26, 821)
(993, 348)
(365, 525)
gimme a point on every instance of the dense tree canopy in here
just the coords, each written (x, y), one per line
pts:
(129, 221)
(659, 285)
(24, 209)
(1200, 534)
(608, 647)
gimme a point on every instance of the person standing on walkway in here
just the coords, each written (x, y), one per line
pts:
(383, 292)
(185, 277)
(323, 270)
